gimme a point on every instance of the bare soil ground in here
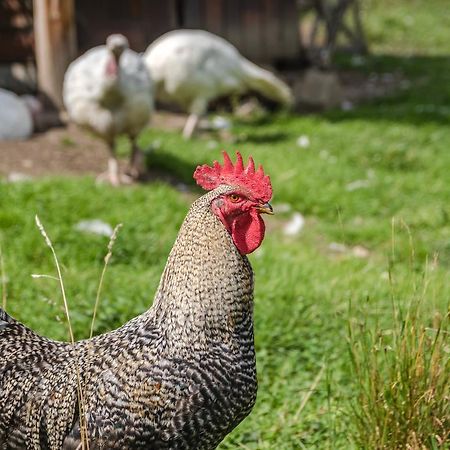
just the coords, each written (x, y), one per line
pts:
(65, 151)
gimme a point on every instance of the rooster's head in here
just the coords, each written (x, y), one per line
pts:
(239, 208)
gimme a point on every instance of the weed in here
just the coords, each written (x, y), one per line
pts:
(401, 382)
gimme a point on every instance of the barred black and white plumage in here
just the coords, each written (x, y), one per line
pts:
(180, 376)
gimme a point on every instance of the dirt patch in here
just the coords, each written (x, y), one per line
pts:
(66, 151)
(56, 151)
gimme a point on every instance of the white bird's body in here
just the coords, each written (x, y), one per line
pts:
(193, 67)
(122, 106)
(108, 90)
(16, 121)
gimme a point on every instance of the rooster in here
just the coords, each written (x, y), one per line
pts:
(108, 90)
(193, 67)
(181, 375)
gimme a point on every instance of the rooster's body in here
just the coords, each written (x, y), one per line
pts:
(180, 376)
(193, 67)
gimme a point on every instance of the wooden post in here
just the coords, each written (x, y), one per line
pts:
(55, 44)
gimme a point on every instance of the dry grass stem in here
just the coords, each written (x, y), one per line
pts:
(100, 284)
(308, 394)
(39, 275)
(59, 278)
(81, 401)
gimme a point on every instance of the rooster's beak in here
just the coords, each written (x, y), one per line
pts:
(265, 208)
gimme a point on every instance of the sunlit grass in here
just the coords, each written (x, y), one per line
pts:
(400, 369)
(313, 394)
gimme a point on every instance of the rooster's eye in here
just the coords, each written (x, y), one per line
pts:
(234, 198)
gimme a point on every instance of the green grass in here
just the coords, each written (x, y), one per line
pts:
(402, 388)
(308, 379)
(408, 27)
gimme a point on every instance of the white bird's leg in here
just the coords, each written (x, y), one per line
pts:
(197, 109)
(113, 171)
(112, 174)
(137, 161)
(191, 125)
(113, 166)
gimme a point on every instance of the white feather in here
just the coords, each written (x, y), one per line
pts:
(108, 108)
(193, 67)
(16, 121)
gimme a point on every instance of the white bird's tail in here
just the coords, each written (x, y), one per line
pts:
(266, 83)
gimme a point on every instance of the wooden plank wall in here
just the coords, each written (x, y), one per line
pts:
(263, 30)
(141, 21)
(55, 43)
(16, 31)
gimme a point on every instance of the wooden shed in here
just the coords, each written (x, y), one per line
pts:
(16, 31)
(53, 32)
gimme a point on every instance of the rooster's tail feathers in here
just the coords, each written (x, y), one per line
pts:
(5, 319)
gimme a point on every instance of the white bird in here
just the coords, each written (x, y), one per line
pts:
(108, 90)
(193, 67)
(16, 121)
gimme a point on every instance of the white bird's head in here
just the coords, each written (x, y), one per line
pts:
(116, 44)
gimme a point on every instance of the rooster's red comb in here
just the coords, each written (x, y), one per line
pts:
(254, 181)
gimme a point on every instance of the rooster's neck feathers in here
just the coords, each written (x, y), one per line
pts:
(206, 290)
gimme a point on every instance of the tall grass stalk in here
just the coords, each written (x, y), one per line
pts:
(105, 266)
(59, 278)
(401, 373)
(81, 402)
